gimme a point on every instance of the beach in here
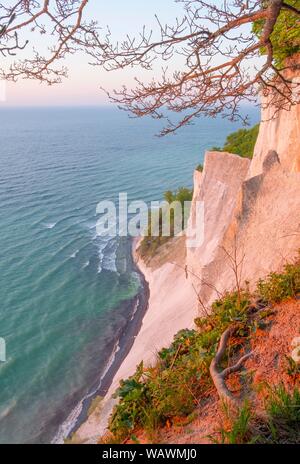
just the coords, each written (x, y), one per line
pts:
(172, 306)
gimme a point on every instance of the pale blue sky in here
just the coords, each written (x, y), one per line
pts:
(82, 87)
(84, 82)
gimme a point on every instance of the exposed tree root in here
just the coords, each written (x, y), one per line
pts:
(219, 377)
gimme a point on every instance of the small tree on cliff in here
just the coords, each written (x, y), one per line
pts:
(228, 50)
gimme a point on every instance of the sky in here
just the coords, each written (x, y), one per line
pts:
(83, 84)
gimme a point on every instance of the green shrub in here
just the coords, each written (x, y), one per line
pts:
(240, 430)
(241, 142)
(286, 34)
(199, 167)
(182, 194)
(284, 406)
(283, 409)
(231, 308)
(174, 387)
(150, 243)
(280, 286)
(131, 408)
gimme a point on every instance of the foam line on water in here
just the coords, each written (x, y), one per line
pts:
(68, 425)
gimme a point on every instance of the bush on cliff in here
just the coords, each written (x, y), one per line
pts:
(241, 142)
(285, 37)
(180, 381)
(151, 243)
(279, 286)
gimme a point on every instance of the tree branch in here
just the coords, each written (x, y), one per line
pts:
(290, 8)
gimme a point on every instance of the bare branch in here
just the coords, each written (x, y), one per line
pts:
(207, 55)
(291, 8)
(217, 46)
(61, 21)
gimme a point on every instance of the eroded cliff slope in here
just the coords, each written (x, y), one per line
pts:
(252, 209)
(251, 228)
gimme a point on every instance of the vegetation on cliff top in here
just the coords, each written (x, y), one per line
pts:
(285, 37)
(241, 142)
(150, 242)
(180, 381)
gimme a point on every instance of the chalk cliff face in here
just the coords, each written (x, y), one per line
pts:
(281, 133)
(252, 209)
(218, 189)
(251, 219)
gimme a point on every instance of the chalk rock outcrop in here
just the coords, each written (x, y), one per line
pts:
(265, 231)
(217, 188)
(280, 133)
(252, 210)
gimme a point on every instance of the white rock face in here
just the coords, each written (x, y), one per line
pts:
(280, 133)
(252, 210)
(265, 231)
(218, 188)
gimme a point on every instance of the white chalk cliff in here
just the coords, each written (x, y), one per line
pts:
(280, 134)
(251, 210)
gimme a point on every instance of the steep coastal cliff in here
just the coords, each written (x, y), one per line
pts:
(251, 207)
(251, 228)
(280, 134)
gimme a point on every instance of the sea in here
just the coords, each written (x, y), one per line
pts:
(66, 292)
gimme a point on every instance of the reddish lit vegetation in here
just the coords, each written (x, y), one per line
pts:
(246, 338)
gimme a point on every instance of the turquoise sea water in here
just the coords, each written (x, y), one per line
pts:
(64, 291)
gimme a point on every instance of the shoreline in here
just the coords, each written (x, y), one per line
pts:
(172, 306)
(122, 346)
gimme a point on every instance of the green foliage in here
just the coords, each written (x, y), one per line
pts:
(241, 142)
(199, 167)
(286, 35)
(284, 406)
(240, 430)
(280, 286)
(281, 424)
(231, 308)
(131, 409)
(151, 243)
(174, 387)
(178, 382)
(182, 194)
(283, 409)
